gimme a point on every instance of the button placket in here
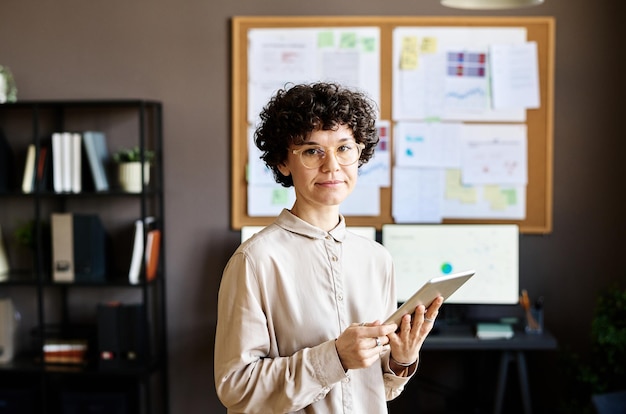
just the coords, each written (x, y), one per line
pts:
(333, 249)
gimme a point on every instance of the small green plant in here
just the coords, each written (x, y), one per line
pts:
(24, 234)
(603, 368)
(133, 155)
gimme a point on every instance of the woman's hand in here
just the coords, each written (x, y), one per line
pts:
(360, 345)
(407, 341)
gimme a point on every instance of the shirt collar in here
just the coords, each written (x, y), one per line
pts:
(294, 224)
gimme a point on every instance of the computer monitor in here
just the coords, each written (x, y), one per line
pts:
(423, 251)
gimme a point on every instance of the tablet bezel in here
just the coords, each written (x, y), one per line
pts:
(438, 286)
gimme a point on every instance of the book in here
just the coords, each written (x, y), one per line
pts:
(42, 173)
(135, 261)
(4, 259)
(29, 169)
(97, 157)
(36, 169)
(153, 248)
(57, 162)
(66, 161)
(76, 170)
(493, 330)
(6, 165)
(134, 272)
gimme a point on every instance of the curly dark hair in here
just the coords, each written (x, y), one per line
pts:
(294, 113)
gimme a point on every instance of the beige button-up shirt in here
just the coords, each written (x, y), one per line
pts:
(285, 296)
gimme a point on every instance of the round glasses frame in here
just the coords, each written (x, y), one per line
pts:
(321, 152)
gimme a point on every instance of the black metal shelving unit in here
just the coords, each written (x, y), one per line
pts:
(42, 301)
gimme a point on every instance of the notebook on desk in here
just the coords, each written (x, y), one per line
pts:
(493, 330)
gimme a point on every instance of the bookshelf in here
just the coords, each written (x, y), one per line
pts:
(53, 312)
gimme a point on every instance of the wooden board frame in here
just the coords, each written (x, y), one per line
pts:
(539, 121)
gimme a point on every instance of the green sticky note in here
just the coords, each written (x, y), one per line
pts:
(348, 40)
(369, 44)
(325, 39)
(280, 196)
(511, 196)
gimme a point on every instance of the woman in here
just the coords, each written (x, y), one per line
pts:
(300, 302)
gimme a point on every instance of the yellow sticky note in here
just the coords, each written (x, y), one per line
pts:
(455, 190)
(497, 199)
(408, 53)
(429, 45)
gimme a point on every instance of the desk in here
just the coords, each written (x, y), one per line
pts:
(462, 338)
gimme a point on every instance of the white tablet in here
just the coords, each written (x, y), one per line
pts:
(437, 286)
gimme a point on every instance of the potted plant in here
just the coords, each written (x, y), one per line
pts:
(8, 90)
(25, 243)
(129, 168)
(599, 378)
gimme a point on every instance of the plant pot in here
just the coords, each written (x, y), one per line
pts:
(129, 176)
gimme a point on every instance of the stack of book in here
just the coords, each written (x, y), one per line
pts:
(65, 351)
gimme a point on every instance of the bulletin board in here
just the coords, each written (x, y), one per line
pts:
(538, 121)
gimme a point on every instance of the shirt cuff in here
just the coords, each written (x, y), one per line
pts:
(327, 365)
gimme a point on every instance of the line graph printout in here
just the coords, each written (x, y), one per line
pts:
(422, 251)
(444, 73)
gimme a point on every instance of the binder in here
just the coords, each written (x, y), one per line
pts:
(8, 330)
(62, 247)
(122, 335)
(78, 248)
(89, 248)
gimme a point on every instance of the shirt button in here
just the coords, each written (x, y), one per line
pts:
(334, 258)
(346, 380)
(339, 297)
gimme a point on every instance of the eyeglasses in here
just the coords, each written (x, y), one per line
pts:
(314, 156)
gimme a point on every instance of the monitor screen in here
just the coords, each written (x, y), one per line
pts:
(423, 251)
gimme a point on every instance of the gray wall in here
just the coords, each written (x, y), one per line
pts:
(178, 52)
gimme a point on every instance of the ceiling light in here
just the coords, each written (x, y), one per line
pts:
(490, 4)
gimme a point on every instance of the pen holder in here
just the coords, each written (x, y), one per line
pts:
(534, 321)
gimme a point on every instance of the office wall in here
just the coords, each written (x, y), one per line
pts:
(178, 52)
